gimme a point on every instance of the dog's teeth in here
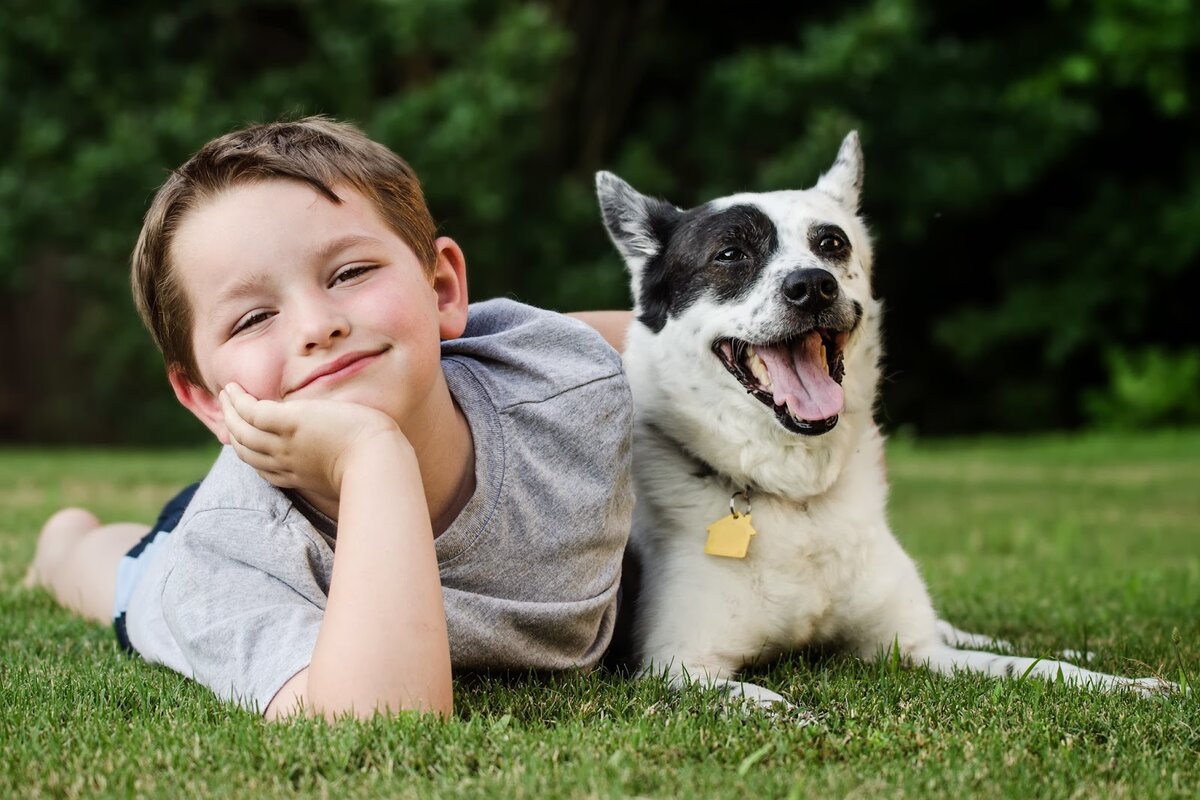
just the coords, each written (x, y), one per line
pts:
(825, 356)
(758, 369)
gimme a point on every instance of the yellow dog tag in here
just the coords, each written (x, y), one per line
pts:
(729, 536)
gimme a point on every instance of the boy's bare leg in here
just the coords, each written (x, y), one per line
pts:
(76, 561)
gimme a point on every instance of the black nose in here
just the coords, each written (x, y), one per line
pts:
(810, 289)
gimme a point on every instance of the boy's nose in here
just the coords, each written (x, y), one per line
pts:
(322, 328)
(318, 340)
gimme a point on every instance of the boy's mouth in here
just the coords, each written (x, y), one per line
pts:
(339, 368)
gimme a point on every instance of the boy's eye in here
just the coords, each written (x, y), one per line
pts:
(350, 273)
(248, 322)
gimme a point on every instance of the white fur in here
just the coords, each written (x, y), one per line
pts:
(824, 566)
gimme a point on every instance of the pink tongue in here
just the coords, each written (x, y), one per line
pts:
(800, 381)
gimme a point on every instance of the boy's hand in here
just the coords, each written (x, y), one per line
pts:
(302, 444)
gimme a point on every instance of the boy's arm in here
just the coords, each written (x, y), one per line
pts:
(610, 324)
(382, 644)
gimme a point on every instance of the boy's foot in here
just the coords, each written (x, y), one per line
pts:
(61, 532)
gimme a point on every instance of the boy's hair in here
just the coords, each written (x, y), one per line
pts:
(315, 150)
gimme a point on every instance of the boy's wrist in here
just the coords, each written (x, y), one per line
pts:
(381, 450)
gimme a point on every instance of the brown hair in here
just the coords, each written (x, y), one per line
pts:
(315, 150)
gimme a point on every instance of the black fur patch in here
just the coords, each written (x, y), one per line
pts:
(718, 253)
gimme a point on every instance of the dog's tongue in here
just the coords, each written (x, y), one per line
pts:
(799, 379)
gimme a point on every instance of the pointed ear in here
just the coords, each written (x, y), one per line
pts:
(637, 224)
(843, 181)
(203, 404)
(450, 286)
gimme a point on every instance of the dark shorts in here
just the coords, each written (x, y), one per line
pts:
(134, 562)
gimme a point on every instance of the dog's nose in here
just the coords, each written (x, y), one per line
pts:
(810, 289)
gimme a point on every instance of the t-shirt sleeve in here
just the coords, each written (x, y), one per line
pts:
(540, 590)
(579, 477)
(244, 601)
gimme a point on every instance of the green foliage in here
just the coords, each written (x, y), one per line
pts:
(1032, 175)
(1148, 388)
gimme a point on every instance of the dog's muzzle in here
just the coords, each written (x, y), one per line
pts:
(799, 379)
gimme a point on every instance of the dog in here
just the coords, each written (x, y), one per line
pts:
(760, 524)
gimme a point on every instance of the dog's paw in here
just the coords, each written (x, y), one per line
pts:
(745, 697)
(739, 697)
(1149, 687)
(751, 694)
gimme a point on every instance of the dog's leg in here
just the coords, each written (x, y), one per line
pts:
(903, 617)
(955, 637)
(947, 661)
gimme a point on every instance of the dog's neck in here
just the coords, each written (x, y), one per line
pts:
(783, 485)
(703, 468)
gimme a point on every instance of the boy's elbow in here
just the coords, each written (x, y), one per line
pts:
(436, 704)
(299, 698)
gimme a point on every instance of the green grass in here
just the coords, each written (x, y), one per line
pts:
(1050, 543)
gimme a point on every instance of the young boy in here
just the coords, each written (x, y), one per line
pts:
(471, 467)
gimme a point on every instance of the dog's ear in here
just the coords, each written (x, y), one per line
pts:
(843, 181)
(637, 224)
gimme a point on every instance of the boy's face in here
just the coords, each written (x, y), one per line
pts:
(294, 296)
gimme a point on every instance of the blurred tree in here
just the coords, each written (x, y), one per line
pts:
(1147, 388)
(1032, 177)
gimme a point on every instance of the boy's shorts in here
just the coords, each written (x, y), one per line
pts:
(132, 565)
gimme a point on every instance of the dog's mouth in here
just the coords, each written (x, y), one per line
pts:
(799, 378)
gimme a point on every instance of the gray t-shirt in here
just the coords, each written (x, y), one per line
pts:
(529, 569)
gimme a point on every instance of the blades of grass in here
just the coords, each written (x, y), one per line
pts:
(895, 661)
(1030, 668)
(749, 761)
(1177, 649)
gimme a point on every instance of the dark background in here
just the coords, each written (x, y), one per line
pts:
(1033, 173)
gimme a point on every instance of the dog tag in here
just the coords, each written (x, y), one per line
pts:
(730, 536)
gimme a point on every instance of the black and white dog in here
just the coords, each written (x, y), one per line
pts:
(760, 523)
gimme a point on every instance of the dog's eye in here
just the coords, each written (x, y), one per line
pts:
(832, 244)
(730, 254)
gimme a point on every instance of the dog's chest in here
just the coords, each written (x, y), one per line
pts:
(796, 545)
(797, 548)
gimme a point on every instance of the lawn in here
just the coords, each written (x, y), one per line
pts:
(1084, 542)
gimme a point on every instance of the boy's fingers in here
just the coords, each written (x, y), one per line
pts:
(266, 415)
(245, 404)
(273, 416)
(259, 461)
(245, 433)
(253, 441)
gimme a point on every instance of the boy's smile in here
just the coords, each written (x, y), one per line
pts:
(293, 295)
(339, 369)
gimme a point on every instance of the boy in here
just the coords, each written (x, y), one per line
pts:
(471, 469)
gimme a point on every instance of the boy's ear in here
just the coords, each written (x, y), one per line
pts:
(450, 286)
(203, 404)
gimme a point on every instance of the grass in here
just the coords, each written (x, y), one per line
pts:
(1080, 542)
